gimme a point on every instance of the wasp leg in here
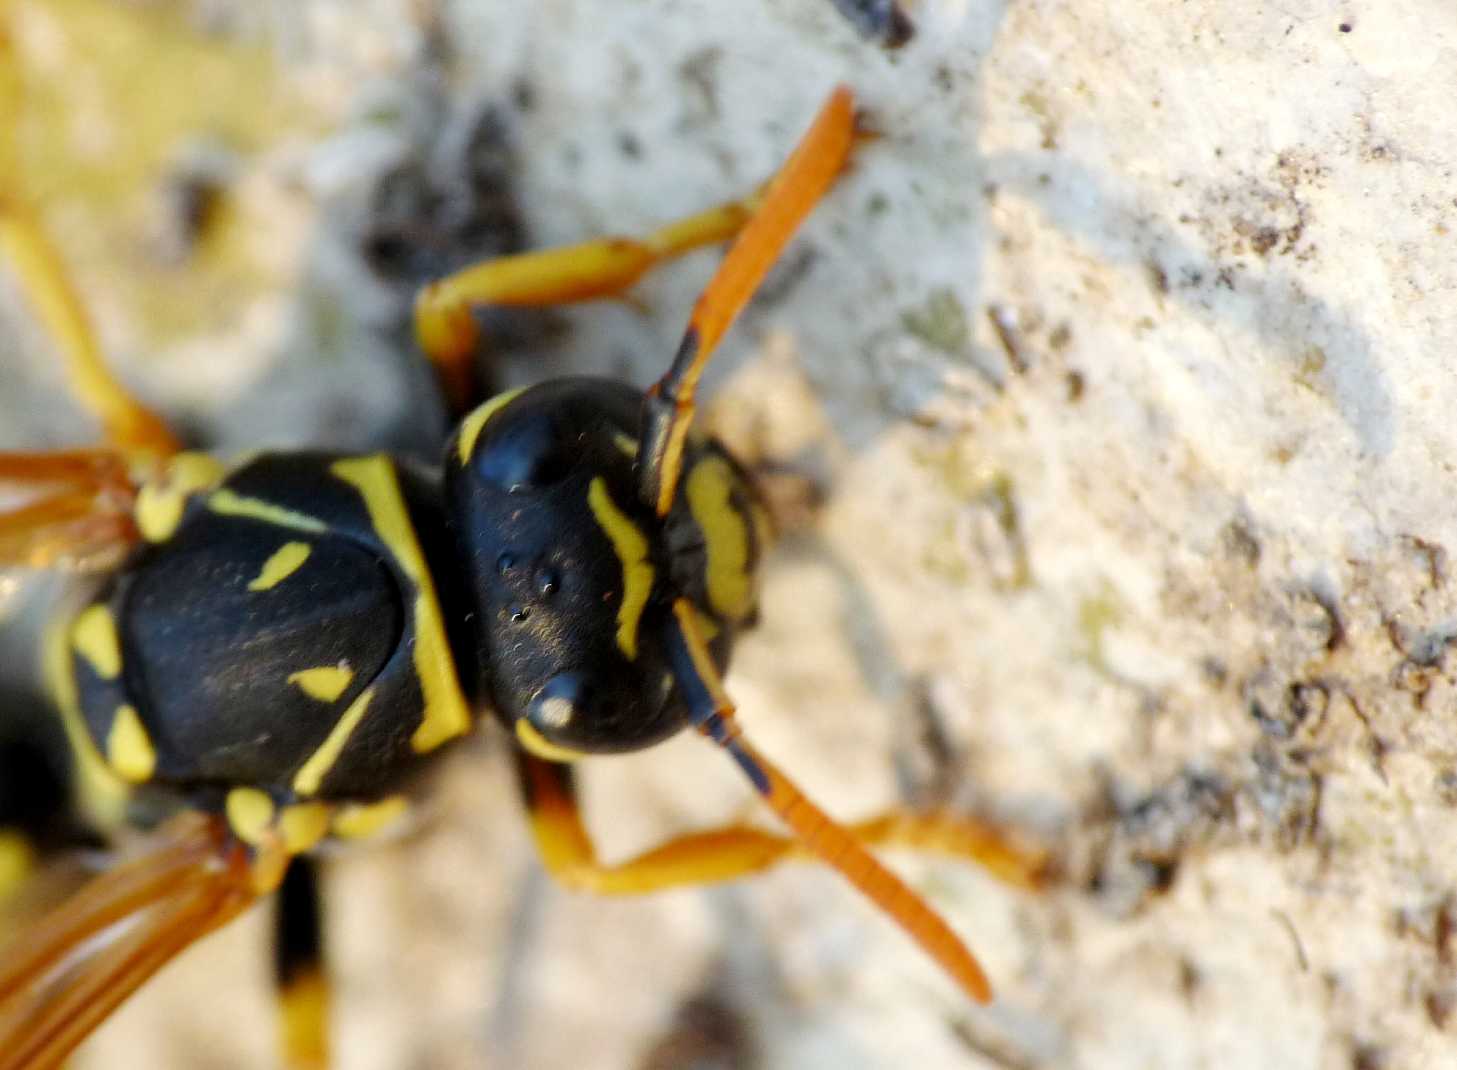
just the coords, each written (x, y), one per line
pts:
(37, 268)
(70, 507)
(126, 423)
(299, 970)
(734, 851)
(82, 961)
(805, 177)
(711, 710)
(447, 331)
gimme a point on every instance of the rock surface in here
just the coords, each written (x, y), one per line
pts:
(1122, 361)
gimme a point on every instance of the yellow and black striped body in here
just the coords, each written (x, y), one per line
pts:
(289, 642)
(282, 635)
(296, 635)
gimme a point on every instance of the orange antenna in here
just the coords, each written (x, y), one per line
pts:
(788, 198)
(820, 834)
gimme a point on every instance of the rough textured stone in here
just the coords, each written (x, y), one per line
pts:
(1121, 361)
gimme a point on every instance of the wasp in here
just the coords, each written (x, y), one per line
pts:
(286, 645)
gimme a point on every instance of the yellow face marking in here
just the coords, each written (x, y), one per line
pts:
(361, 821)
(472, 425)
(311, 774)
(326, 683)
(537, 744)
(625, 443)
(94, 637)
(303, 825)
(226, 503)
(128, 748)
(160, 501)
(250, 814)
(281, 564)
(446, 713)
(17, 859)
(725, 536)
(632, 550)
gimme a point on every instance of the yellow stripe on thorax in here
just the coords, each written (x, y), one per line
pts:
(303, 825)
(102, 793)
(312, 773)
(17, 860)
(162, 499)
(255, 819)
(94, 636)
(250, 814)
(325, 683)
(281, 564)
(358, 821)
(228, 503)
(632, 550)
(446, 713)
(128, 748)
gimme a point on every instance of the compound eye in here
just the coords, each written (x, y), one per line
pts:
(525, 451)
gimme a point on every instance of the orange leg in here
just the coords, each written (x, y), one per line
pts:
(69, 508)
(447, 332)
(72, 508)
(730, 852)
(127, 424)
(764, 222)
(735, 851)
(831, 843)
(300, 979)
(35, 265)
